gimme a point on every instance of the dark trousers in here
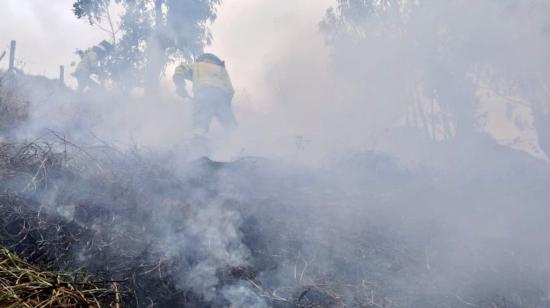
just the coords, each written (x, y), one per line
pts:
(210, 103)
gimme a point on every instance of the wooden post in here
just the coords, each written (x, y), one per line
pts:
(12, 56)
(62, 74)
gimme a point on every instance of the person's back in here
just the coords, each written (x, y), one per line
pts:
(212, 92)
(90, 64)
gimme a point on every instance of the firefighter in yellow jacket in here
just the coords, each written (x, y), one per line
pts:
(90, 64)
(212, 92)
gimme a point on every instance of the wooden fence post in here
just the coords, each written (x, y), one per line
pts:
(12, 56)
(62, 74)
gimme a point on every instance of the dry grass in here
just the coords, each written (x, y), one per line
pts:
(14, 108)
(24, 285)
(111, 252)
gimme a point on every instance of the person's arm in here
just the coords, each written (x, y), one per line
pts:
(182, 73)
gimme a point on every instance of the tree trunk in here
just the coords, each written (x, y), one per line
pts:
(156, 56)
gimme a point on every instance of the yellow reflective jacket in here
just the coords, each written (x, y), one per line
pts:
(89, 62)
(204, 74)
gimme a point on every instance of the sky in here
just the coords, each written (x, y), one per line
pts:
(47, 34)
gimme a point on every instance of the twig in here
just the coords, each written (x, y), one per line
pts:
(117, 295)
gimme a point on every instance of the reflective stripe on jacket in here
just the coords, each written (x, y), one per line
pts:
(204, 74)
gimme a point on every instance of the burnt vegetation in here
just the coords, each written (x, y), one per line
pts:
(105, 227)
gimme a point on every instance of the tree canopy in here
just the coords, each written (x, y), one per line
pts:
(152, 33)
(446, 51)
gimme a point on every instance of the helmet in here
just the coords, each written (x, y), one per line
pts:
(108, 47)
(103, 49)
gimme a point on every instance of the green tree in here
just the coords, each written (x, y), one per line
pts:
(152, 33)
(446, 48)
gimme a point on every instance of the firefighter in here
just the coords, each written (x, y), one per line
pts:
(212, 92)
(90, 64)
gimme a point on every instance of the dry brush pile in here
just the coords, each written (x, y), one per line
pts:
(62, 214)
(25, 285)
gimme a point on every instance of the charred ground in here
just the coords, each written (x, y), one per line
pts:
(259, 232)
